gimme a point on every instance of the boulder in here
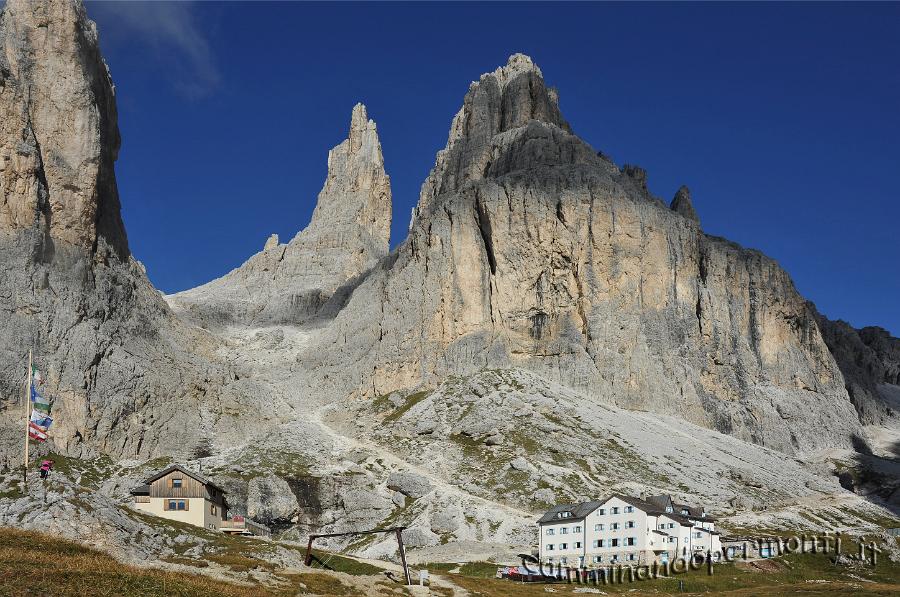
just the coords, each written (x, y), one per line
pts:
(409, 484)
(271, 501)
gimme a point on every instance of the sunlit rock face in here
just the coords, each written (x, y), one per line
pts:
(528, 248)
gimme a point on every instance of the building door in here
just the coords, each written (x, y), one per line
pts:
(664, 557)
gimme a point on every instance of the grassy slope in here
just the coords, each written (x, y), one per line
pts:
(38, 564)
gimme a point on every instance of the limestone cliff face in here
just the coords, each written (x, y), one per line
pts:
(530, 249)
(128, 378)
(58, 129)
(349, 232)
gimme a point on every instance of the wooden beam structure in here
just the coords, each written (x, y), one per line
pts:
(397, 530)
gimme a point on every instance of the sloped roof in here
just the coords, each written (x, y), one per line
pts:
(141, 490)
(661, 501)
(578, 511)
(693, 512)
(189, 473)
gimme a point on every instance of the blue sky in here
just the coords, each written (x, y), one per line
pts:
(784, 119)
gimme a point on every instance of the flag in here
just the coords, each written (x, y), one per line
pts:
(42, 420)
(34, 432)
(39, 401)
(37, 378)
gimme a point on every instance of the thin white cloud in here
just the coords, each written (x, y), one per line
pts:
(170, 29)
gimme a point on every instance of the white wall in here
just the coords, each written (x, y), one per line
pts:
(198, 509)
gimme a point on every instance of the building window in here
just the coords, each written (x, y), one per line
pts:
(614, 543)
(615, 510)
(550, 532)
(661, 527)
(684, 511)
(601, 511)
(615, 557)
(598, 542)
(564, 531)
(671, 539)
(549, 560)
(631, 556)
(213, 509)
(698, 535)
(564, 546)
(614, 526)
(563, 561)
(629, 524)
(576, 530)
(176, 483)
(630, 541)
(668, 508)
(629, 509)
(598, 527)
(578, 545)
(549, 547)
(671, 525)
(176, 505)
(598, 559)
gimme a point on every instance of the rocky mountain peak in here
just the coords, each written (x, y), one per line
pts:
(348, 233)
(56, 176)
(508, 98)
(683, 205)
(357, 189)
(359, 124)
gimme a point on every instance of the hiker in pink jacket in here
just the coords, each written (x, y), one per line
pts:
(45, 468)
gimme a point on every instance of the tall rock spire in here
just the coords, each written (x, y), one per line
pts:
(58, 127)
(357, 191)
(348, 233)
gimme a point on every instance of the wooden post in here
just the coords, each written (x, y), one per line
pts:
(403, 556)
(27, 417)
(308, 560)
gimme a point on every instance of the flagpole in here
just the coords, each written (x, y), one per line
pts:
(27, 416)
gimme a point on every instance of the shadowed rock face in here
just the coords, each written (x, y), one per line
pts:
(682, 204)
(869, 358)
(349, 232)
(535, 251)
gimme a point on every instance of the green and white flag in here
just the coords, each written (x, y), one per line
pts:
(40, 402)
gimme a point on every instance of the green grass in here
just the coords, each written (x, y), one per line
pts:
(409, 402)
(329, 561)
(469, 569)
(87, 473)
(13, 492)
